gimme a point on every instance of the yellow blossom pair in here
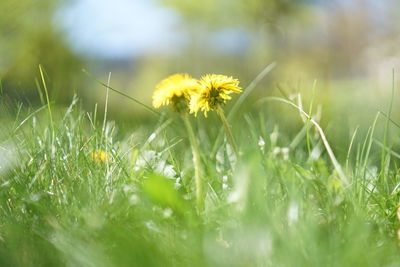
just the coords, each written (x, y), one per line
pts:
(185, 93)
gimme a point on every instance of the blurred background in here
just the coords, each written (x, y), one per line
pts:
(350, 47)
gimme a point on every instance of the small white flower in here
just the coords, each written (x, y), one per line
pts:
(274, 136)
(276, 151)
(293, 213)
(285, 153)
(169, 171)
(167, 212)
(178, 183)
(281, 151)
(152, 226)
(261, 142)
(134, 199)
(127, 188)
(146, 157)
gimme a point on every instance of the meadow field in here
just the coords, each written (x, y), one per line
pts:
(77, 192)
(279, 148)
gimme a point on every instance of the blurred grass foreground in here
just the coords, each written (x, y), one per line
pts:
(280, 149)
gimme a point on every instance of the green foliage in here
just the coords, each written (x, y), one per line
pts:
(234, 13)
(29, 37)
(279, 204)
(161, 190)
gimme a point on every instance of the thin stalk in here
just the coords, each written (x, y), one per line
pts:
(48, 100)
(196, 162)
(386, 132)
(228, 130)
(308, 120)
(103, 129)
(104, 134)
(350, 147)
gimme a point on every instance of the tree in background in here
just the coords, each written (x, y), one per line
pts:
(29, 37)
(239, 12)
(326, 39)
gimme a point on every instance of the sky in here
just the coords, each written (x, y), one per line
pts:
(120, 28)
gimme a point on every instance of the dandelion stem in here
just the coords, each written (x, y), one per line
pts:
(228, 130)
(196, 162)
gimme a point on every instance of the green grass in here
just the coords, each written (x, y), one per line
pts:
(281, 203)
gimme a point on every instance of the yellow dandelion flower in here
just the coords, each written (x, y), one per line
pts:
(99, 156)
(176, 91)
(215, 90)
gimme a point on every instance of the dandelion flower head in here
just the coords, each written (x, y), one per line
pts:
(176, 91)
(215, 90)
(99, 156)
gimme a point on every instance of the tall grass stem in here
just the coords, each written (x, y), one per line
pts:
(228, 131)
(197, 164)
(47, 100)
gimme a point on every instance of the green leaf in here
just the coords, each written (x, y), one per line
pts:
(161, 191)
